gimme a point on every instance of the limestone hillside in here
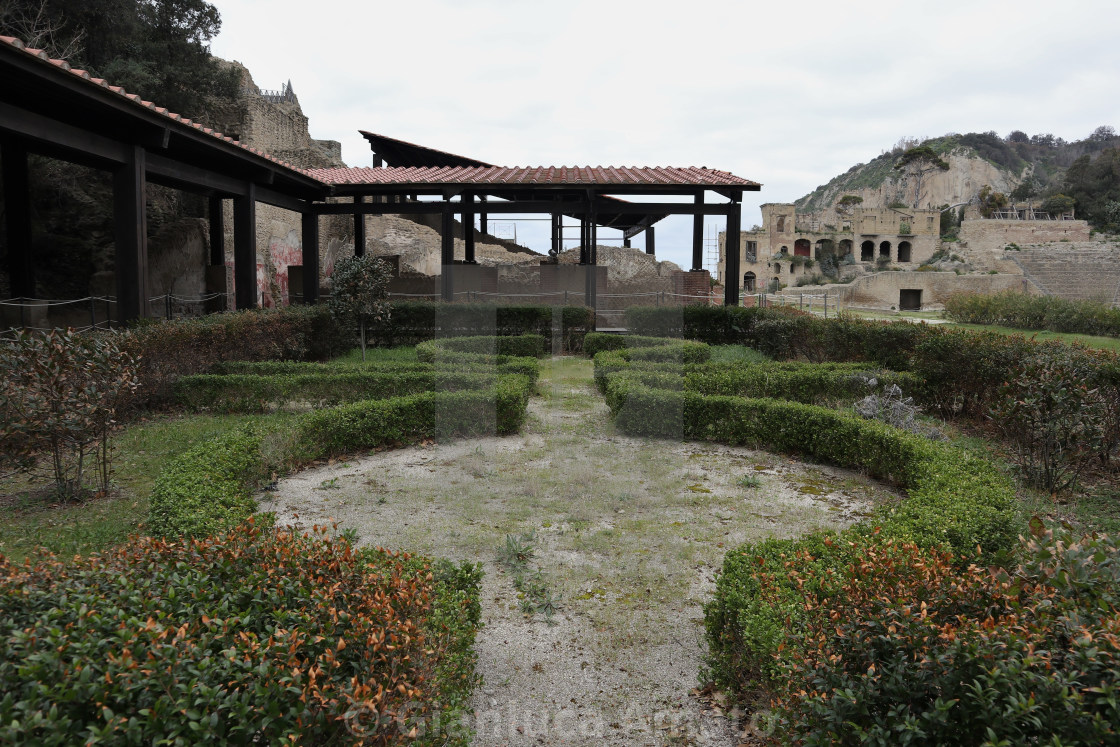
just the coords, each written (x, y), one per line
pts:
(1035, 165)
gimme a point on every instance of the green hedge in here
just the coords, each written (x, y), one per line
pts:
(415, 322)
(250, 637)
(1012, 309)
(247, 393)
(502, 364)
(597, 342)
(523, 346)
(207, 489)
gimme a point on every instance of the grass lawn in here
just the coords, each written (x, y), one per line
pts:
(1090, 341)
(142, 449)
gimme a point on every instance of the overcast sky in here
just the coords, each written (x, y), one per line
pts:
(786, 93)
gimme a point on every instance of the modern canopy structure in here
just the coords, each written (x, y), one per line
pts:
(47, 107)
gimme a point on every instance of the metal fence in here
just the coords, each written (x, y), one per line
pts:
(95, 312)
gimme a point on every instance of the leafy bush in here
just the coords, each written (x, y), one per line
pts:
(1053, 417)
(59, 394)
(908, 648)
(251, 637)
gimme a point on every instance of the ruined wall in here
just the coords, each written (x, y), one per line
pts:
(883, 289)
(996, 234)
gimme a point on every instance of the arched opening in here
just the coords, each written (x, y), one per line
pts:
(784, 250)
(823, 247)
(904, 251)
(777, 268)
(801, 248)
(749, 282)
(781, 224)
(845, 247)
(867, 251)
(885, 249)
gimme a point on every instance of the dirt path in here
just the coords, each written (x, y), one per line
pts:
(627, 535)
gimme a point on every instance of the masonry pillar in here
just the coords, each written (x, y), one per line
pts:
(650, 241)
(731, 255)
(131, 236)
(310, 241)
(245, 248)
(698, 237)
(359, 228)
(17, 217)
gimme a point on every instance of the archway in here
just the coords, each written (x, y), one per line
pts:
(867, 251)
(749, 281)
(777, 268)
(824, 246)
(781, 224)
(904, 251)
(801, 248)
(845, 247)
(885, 249)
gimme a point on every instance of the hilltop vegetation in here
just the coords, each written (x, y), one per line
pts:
(1028, 167)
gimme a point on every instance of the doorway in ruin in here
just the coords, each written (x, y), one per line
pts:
(823, 247)
(910, 299)
(801, 248)
(885, 249)
(904, 251)
(845, 247)
(749, 281)
(867, 251)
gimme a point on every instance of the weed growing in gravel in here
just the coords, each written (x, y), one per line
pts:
(750, 481)
(535, 595)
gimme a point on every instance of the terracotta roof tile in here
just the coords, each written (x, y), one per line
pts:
(541, 175)
(9, 41)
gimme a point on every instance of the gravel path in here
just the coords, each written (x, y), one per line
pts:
(627, 535)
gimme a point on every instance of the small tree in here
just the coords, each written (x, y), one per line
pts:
(359, 289)
(918, 162)
(59, 394)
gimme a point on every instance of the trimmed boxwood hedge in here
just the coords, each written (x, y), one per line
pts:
(414, 322)
(525, 346)
(955, 500)
(251, 637)
(207, 489)
(247, 393)
(501, 364)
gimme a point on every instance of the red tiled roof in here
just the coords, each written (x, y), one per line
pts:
(10, 41)
(576, 176)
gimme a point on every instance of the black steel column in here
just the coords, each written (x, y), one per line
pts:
(584, 240)
(17, 216)
(359, 229)
(447, 254)
(468, 229)
(557, 233)
(626, 241)
(592, 297)
(482, 225)
(650, 243)
(731, 255)
(131, 236)
(698, 237)
(217, 232)
(245, 248)
(310, 240)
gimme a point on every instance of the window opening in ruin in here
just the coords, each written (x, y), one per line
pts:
(867, 251)
(845, 247)
(752, 251)
(778, 269)
(885, 249)
(824, 246)
(781, 224)
(801, 248)
(904, 251)
(749, 282)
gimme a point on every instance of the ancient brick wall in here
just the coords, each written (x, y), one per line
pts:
(996, 234)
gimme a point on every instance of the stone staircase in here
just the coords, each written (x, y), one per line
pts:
(1084, 273)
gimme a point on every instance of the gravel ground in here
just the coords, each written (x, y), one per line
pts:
(626, 534)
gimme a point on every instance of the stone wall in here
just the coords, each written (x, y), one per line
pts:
(988, 234)
(883, 289)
